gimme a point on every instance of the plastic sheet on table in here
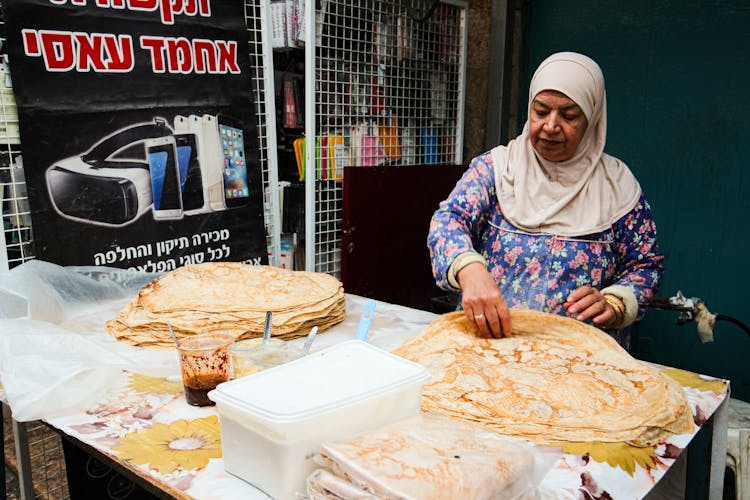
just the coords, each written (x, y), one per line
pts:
(55, 357)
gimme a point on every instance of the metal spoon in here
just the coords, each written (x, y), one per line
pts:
(267, 327)
(174, 337)
(309, 340)
(177, 343)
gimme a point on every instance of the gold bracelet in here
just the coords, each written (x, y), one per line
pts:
(619, 308)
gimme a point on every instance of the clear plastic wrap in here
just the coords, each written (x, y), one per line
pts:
(48, 292)
(429, 456)
(55, 357)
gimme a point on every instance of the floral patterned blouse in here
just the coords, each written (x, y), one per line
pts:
(537, 271)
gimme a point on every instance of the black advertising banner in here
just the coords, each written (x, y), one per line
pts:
(138, 136)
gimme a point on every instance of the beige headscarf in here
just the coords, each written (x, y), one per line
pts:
(583, 195)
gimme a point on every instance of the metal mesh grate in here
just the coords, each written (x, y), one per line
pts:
(389, 90)
(16, 243)
(47, 462)
(253, 21)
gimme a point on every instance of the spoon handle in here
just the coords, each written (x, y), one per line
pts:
(174, 337)
(365, 321)
(309, 340)
(267, 327)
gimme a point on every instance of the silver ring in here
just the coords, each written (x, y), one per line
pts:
(477, 316)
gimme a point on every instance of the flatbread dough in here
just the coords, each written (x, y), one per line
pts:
(231, 286)
(555, 379)
(230, 297)
(429, 456)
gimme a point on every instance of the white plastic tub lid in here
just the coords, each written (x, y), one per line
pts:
(320, 382)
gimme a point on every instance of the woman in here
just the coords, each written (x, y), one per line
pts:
(550, 222)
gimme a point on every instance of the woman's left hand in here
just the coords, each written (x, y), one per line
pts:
(587, 302)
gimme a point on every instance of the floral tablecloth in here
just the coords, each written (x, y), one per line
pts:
(145, 424)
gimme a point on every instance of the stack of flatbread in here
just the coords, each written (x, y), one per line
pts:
(555, 379)
(429, 456)
(229, 296)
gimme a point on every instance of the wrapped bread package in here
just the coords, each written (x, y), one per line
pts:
(429, 456)
(232, 297)
(554, 379)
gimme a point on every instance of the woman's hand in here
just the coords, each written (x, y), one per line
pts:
(482, 301)
(588, 302)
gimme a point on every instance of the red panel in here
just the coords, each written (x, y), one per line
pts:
(386, 215)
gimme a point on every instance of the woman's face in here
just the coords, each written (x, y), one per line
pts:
(556, 125)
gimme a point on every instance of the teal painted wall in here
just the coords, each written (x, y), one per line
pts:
(678, 89)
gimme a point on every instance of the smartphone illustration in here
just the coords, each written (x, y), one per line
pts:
(214, 158)
(181, 124)
(209, 169)
(165, 178)
(191, 179)
(236, 189)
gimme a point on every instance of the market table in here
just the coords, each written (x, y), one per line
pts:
(145, 426)
(126, 404)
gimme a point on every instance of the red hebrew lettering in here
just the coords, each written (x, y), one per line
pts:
(155, 45)
(227, 55)
(143, 4)
(167, 8)
(30, 43)
(204, 56)
(89, 52)
(193, 7)
(188, 7)
(205, 7)
(57, 48)
(116, 4)
(167, 16)
(65, 51)
(178, 6)
(180, 55)
(120, 54)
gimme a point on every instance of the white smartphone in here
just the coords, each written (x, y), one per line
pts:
(165, 178)
(195, 127)
(181, 124)
(214, 162)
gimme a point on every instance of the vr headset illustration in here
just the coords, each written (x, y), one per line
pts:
(109, 185)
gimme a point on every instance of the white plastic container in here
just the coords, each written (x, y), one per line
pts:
(274, 421)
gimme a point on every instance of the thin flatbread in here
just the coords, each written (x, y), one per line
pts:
(230, 297)
(233, 286)
(555, 379)
(428, 456)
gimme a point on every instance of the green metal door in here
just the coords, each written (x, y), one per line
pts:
(678, 90)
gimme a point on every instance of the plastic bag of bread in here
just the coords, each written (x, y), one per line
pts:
(429, 456)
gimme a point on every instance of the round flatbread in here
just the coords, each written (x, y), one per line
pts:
(555, 379)
(232, 286)
(229, 297)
